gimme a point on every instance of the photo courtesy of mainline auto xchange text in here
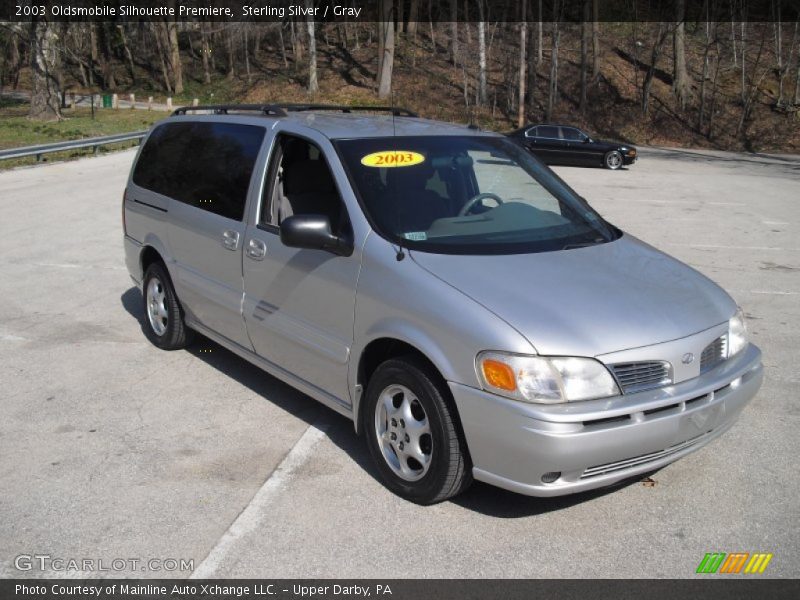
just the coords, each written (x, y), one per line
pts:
(399, 299)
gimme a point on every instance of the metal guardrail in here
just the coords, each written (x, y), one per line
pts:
(93, 143)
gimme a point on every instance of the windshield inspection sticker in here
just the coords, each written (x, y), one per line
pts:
(392, 158)
(417, 236)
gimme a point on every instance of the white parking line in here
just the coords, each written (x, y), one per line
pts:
(256, 510)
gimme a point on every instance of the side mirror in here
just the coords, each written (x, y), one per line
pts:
(587, 140)
(313, 232)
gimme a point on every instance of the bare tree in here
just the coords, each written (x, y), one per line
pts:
(387, 57)
(552, 96)
(584, 53)
(454, 31)
(655, 53)
(680, 82)
(595, 40)
(127, 51)
(796, 98)
(523, 63)
(175, 57)
(205, 51)
(45, 92)
(482, 95)
(313, 86)
(413, 17)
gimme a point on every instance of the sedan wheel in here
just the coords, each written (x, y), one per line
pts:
(613, 160)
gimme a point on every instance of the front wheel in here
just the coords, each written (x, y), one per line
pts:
(613, 160)
(412, 434)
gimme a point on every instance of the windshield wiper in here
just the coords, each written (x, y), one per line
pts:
(582, 244)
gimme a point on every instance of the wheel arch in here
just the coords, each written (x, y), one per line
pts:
(385, 347)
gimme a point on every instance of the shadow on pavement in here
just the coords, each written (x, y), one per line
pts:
(481, 497)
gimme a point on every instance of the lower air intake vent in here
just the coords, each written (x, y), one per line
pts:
(640, 376)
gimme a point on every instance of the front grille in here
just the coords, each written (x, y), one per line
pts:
(714, 353)
(639, 460)
(640, 376)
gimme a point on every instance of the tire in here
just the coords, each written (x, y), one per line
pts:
(408, 392)
(613, 160)
(163, 316)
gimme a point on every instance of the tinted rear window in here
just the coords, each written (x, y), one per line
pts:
(547, 131)
(207, 165)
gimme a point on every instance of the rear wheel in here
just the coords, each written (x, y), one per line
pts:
(164, 324)
(613, 160)
(412, 434)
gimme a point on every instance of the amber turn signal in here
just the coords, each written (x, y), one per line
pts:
(499, 375)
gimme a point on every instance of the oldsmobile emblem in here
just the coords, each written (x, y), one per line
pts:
(687, 358)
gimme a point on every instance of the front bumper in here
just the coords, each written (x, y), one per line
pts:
(597, 443)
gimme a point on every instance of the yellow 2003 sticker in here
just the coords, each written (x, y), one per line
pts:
(392, 158)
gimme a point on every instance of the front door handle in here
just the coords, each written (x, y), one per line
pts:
(256, 249)
(230, 239)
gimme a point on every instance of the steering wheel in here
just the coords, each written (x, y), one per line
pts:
(478, 198)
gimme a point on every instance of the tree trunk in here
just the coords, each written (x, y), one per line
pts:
(387, 62)
(523, 32)
(313, 86)
(482, 96)
(108, 57)
(651, 70)
(175, 57)
(413, 17)
(454, 31)
(128, 56)
(595, 40)
(246, 42)
(162, 60)
(552, 97)
(205, 51)
(680, 82)
(706, 50)
(282, 45)
(93, 54)
(43, 48)
(584, 54)
(540, 38)
(231, 56)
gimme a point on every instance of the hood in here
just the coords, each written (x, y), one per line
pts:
(588, 301)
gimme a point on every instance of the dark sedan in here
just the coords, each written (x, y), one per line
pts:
(565, 145)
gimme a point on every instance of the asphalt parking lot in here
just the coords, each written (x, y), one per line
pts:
(113, 449)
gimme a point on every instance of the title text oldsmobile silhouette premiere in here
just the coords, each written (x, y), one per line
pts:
(438, 285)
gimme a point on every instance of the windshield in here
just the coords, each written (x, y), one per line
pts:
(467, 195)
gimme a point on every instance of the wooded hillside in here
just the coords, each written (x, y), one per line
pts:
(724, 83)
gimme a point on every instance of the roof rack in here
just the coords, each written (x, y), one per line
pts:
(397, 111)
(273, 110)
(283, 110)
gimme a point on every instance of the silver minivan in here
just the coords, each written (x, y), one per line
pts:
(438, 285)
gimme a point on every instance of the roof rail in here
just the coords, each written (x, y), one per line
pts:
(395, 110)
(283, 110)
(273, 110)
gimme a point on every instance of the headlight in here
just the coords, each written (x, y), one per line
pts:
(737, 333)
(544, 380)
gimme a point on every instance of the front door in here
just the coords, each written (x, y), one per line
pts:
(299, 304)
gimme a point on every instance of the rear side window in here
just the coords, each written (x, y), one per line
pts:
(207, 165)
(547, 131)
